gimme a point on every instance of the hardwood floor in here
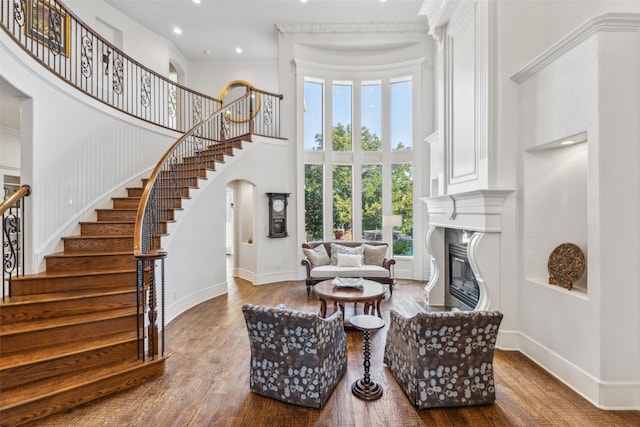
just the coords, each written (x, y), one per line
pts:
(207, 380)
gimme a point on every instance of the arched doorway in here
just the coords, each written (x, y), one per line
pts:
(240, 226)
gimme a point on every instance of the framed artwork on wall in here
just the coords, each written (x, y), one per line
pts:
(47, 23)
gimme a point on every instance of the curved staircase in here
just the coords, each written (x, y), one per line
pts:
(69, 335)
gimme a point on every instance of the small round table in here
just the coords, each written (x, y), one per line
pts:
(364, 388)
(371, 294)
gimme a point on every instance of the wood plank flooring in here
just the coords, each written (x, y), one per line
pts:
(207, 380)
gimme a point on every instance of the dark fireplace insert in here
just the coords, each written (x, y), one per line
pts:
(462, 282)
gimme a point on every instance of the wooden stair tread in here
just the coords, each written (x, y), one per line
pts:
(87, 254)
(67, 295)
(107, 222)
(52, 323)
(51, 386)
(71, 333)
(57, 351)
(102, 237)
(44, 274)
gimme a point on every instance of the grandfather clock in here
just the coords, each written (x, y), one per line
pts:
(278, 214)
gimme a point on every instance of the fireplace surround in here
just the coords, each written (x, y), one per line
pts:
(476, 216)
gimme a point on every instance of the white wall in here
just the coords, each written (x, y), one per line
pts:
(196, 245)
(209, 77)
(591, 86)
(594, 87)
(71, 172)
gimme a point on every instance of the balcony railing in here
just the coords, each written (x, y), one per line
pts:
(66, 46)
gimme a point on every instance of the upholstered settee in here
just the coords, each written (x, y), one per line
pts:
(443, 359)
(328, 260)
(296, 357)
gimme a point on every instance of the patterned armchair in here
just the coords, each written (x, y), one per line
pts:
(444, 358)
(296, 357)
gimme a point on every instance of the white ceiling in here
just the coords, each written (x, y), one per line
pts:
(218, 26)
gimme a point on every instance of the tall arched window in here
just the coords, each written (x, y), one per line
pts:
(354, 178)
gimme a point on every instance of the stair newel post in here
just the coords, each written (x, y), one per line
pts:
(147, 301)
(139, 308)
(152, 314)
(162, 300)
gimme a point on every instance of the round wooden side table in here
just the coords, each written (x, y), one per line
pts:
(364, 388)
(371, 294)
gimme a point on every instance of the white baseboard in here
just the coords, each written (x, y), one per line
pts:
(610, 395)
(277, 276)
(244, 274)
(178, 307)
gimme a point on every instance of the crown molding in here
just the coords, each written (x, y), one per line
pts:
(355, 27)
(610, 22)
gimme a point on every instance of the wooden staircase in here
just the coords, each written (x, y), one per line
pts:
(69, 335)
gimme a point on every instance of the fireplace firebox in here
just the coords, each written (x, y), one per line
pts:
(463, 285)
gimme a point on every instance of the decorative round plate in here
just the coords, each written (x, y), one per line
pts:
(566, 264)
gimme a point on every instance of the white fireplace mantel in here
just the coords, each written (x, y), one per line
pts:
(479, 210)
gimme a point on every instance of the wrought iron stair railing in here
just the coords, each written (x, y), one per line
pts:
(50, 33)
(190, 157)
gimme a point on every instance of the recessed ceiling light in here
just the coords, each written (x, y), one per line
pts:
(238, 50)
(177, 30)
(303, 1)
(197, 1)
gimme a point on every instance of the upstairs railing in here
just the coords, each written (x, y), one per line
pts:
(189, 159)
(12, 211)
(62, 43)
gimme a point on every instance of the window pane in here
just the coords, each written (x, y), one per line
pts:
(401, 116)
(313, 201)
(372, 202)
(402, 204)
(313, 116)
(370, 117)
(341, 117)
(342, 202)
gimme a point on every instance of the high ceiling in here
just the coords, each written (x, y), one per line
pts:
(213, 29)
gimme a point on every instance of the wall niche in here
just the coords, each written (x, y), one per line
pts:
(555, 204)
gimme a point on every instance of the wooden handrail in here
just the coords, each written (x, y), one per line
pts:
(264, 92)
(23, 191)
(186, 161)
(144, 200)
